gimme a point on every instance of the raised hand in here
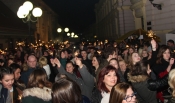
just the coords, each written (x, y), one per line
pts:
(56, 61)
(153, 44)
(78, 62)
(52, 61)
(171, 61)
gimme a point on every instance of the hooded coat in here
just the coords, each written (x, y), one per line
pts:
(37, 95)
(140, 85)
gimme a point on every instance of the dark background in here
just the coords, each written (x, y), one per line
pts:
(77, 15)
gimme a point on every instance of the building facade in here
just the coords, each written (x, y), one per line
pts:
(113, 18)
(117, 17)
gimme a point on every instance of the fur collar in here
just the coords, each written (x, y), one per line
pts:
(138, 78)
(44, 93)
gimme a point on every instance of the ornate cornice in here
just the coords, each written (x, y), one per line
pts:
(137, 6)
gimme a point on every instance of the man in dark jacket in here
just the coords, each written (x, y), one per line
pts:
(32, 65)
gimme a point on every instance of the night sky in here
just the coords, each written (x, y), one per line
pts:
(75, 14)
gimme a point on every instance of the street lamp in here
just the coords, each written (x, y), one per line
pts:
(59, 30)
(66, 30)
(26, 11)
(68, 34)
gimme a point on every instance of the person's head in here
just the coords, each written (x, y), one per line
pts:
(16, 70)
(109, 53)
(84, 54)
(66, 91)
(114, 63)
(170, 43)
(164, 53)
(141, 68)
(31, 61)
(107, 78)
(46, 53)
(64, 52)
(144, 53)
(1, 62)
(171, 81)
(2, 57)
(134, 58)
(59, 76)
(10, 61)
(19, 62)
(69, 67)
(122, 93)
(122, 65)
(96, 60)
(38, 78)
(6, 77)
(130, 50)
(92, 50)
(43, 61)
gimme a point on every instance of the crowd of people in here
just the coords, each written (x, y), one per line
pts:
(90, 73)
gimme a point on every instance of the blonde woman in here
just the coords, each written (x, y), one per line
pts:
(43, 63)
(171, 82)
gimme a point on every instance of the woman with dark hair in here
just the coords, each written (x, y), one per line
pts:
(122, 93)
(114, 62)
(38, 88)
(66, 91)
(171, 82)
(6, 85)
(86, 83)
(18, 86)
(96, 61)
(163, 66)
(107, 78)
(139, 76)
(128, 52)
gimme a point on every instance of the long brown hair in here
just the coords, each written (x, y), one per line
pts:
(66, 91)
(38, 78)
(160, 53)
(118, 92)
(103, 72)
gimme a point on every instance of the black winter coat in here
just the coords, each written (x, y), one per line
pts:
(96, 96)
(146, 88)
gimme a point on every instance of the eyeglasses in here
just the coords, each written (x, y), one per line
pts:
(129, 98)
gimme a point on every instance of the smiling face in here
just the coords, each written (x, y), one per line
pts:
(135, 58)
(7, 81)
(110, 80)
